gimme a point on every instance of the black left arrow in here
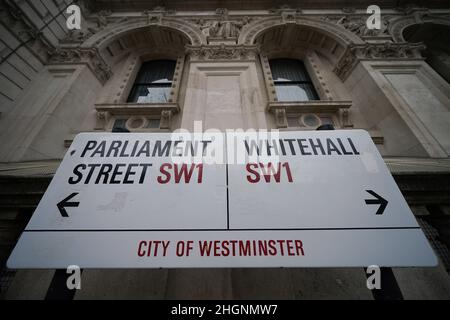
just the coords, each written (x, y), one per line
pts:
(379, 200)
(63, 204)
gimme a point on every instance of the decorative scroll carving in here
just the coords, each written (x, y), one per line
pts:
(205, 26)
(346, 64)
(222, 52)
(345, 119)
(376, 51)
(166, 117)
(280, 118)
(102, 18)
(224, 28)
(357, 25)
(392, 50)
(222, 11)
(289, 16)
(153, 18)
(103, 118)
(89, 56)
(79, 36)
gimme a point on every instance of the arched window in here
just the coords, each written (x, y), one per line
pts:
(437, 51)
(292, 81)
(153, 82)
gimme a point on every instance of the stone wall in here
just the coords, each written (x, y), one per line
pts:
(55, 84)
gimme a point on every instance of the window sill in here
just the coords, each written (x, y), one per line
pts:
(313, 106)
(132, 109)
(108, 112)
(338, 110)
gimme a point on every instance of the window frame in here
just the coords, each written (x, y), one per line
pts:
(113, 103)
(329, 103)
(168, 84)
(278, 83)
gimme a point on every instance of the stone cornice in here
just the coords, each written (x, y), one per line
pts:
(348, 23)
(135, 108)
(222, 52)
(376, 51)
(88, 56)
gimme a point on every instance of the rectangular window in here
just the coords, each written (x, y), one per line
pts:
(153, 82)
(292, 82)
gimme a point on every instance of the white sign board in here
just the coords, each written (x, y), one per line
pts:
(296, 199)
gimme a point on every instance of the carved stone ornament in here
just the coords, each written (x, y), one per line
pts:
(345, 119)
(103, 118)
(102, 115)
(289, 16)
(166, 117)
(153, 18)
(88, 56)
(357, 25)
(223, 28)
(79, 36)
(376, 51)
(389, 50)
(226, 29)
(222, 52)
(281, 118)
(102, 18)
(346, 64)
(222, 11)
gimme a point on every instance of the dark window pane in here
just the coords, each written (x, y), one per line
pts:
(153, 82)
(156, 71)
(292, 81)
(288, 70)
(119, 124)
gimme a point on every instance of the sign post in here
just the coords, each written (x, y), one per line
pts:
(289, 199)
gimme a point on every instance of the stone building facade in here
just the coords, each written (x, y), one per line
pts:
(392, 82)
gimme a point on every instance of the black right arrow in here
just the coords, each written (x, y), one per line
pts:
(379, 200)
(65, 203)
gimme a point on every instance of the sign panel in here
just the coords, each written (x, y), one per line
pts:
(283, 199)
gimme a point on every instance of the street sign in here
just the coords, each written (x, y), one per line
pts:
(282, 199)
